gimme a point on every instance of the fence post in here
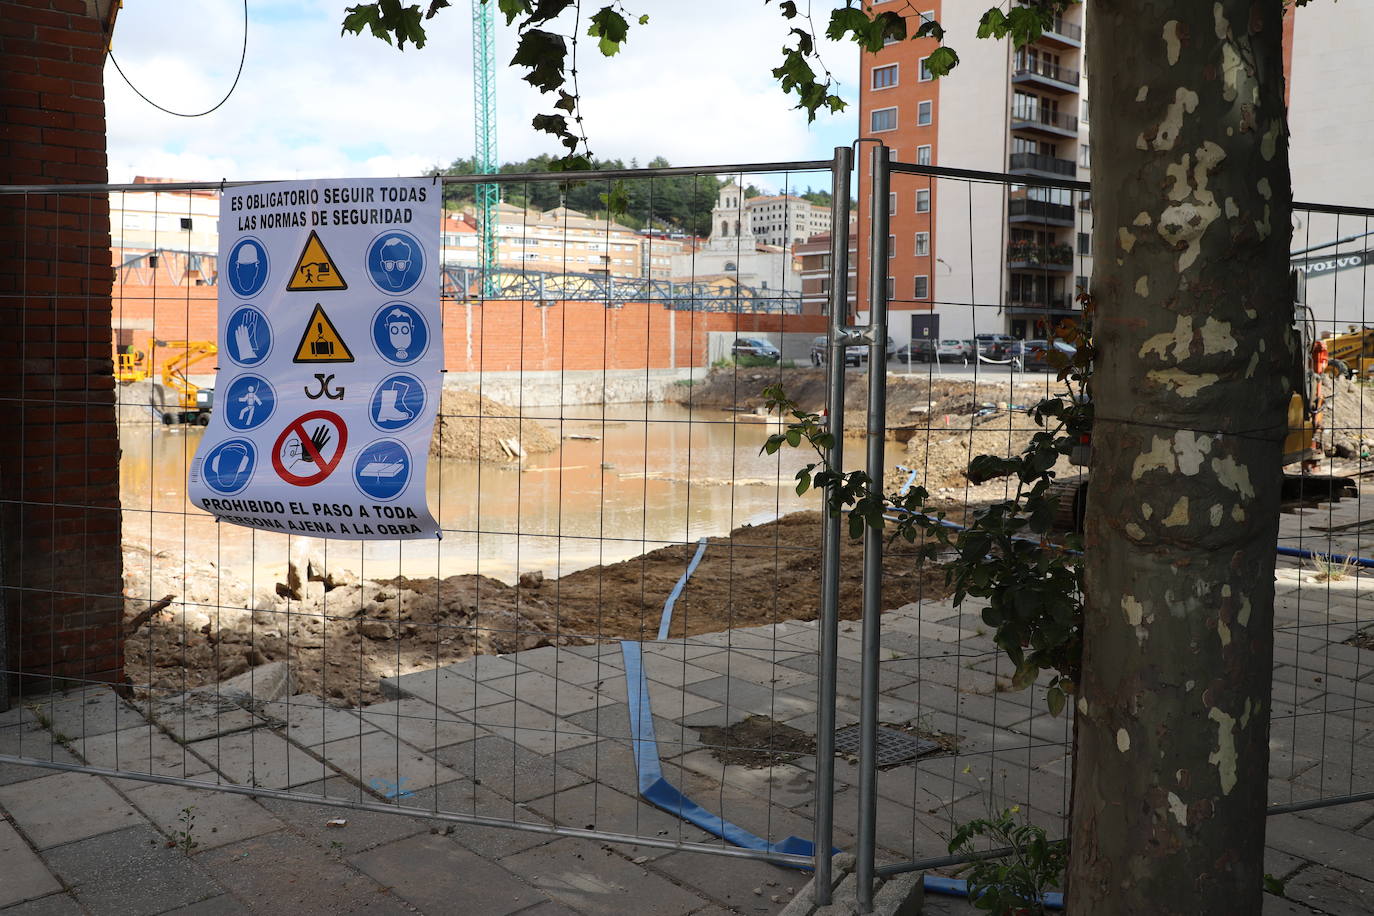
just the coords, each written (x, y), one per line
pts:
(828, 627)
(873, 537)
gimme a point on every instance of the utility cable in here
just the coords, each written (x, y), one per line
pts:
(243, 55)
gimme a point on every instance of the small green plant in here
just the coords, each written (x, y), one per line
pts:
(1330, 569)
(184, 836)
(1017, 882)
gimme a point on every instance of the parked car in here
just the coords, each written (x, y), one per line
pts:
(987, 342)
(920, 350)
(1036, 351)
(957, 350)
(756, 347)
(853, 356)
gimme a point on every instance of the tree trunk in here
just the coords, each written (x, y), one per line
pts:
(1196, 362)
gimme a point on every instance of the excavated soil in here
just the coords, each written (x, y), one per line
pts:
(471, 427)
(341, 634)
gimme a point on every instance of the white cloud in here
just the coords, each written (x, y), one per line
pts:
(693, 85)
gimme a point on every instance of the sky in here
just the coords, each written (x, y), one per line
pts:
(694, 86)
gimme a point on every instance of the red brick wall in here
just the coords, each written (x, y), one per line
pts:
(497, 336)
(59, 474)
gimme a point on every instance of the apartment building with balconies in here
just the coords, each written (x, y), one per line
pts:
(984, 256)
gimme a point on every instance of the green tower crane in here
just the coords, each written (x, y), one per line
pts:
(488, 195)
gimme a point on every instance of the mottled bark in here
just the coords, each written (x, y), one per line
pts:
(1194, 335)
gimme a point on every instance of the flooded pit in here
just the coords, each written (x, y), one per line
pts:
(626, 479)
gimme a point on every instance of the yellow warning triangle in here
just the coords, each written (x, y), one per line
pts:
(315, 269)
(321, 342)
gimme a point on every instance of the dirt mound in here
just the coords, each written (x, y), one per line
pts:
(340, 633)
(1348, 417)
(476, 428)
(141, 402)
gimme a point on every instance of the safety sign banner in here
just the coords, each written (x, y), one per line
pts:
(331, 354)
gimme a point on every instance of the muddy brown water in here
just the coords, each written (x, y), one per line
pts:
(626, 479)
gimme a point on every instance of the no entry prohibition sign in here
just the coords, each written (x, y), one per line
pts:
(313, 444)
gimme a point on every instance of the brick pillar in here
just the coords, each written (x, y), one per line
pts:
(60, 572)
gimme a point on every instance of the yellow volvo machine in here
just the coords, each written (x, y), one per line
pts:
(193, 402)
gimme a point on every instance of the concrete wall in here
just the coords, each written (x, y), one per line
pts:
(59, 474)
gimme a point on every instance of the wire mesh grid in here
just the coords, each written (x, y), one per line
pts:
(614, 637)
(1011, 254)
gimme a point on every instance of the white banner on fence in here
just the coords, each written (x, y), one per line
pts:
(330, 351)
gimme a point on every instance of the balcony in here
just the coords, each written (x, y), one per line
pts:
(1045, 166)
(1022, 210)
(1064, 34)
(1041, 75)
(1044, 121)
(1030, 301)
(1024, 255)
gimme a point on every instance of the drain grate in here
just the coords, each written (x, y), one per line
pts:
(894, 748)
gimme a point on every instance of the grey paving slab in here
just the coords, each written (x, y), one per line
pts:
(131, 872)
(215, 818)
(32, 742)
(766, 672)
(140, 749)
(199, 715)
(597, 882)
(65, 807)
(783, 785)
(63, 904)
(733, 882)
(309, 721)
(745, 698)
(84, 713)
(1331, 891)
(514, 771)
(26, 877)
(433, 873)
(260, 758)
(283, 873)
(459, 694)
(362, 830)
(417, 722)
(531, 727)
(549, 693)
(1335, 848)
(384, 765)
(596, 807)
(223, 905)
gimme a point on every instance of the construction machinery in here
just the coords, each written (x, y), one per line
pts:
(193, 402)
(131, 365)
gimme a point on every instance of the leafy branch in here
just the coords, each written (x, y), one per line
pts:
(1004, 551)
(549, 57)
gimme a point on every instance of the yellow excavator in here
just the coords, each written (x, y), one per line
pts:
(193, 402)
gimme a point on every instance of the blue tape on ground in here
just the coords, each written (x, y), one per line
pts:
(666, 620)
(662, 794)
(956, 888)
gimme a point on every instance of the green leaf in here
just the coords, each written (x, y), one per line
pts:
(1054, 699)
(610, 28)
(542, 54)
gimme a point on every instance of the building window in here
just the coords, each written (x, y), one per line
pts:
(1084, 119)
(922, 288)
(885, 77)
(891, 203)
(891, 289)
(926, 76)
(928, 16)
(923, 200)
(892, 246)
(883, 119)
(1081, 283)
(922, 244)
(730, 265)
(924, 112)
(923, 155)
(1085, 158)
(1085, 243)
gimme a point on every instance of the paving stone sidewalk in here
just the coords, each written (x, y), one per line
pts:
(542, 737)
